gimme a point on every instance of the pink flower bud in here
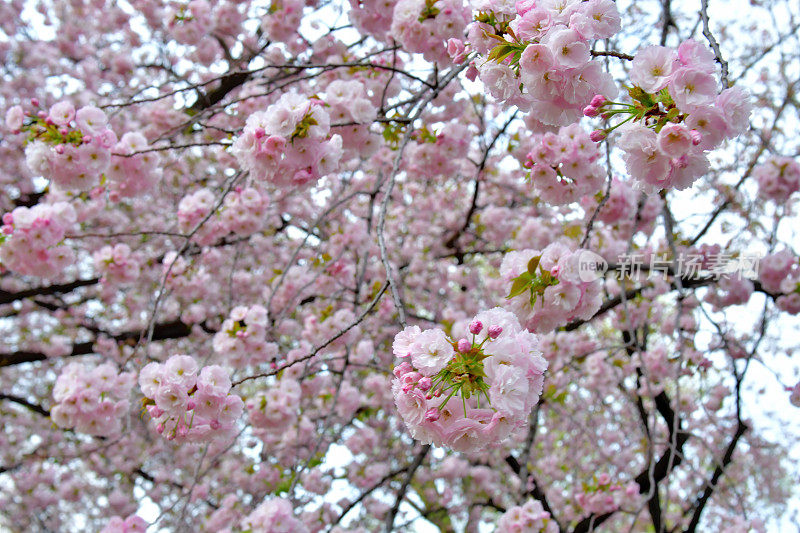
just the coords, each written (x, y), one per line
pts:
(59, 149)
(598, 100)
(190, 405)
(402, 369)
(697, 137)
(87, 139)
(472, 72)
(432, 414)
(475, 327)
(464, 345)
(456, 50)
(35, 102)
(597, 135)
(97, 192)
(424, 383)
(8, 219)
(495, 331)
(590, 111)
(160, 429)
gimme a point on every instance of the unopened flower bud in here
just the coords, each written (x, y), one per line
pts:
(475, 327)
(402, 369)
(590, 111)
(190, 405)
(464, 345)
(697, 137)
(495, 331)
(598, 100)
(424, 383)
(597, 135)
(432, 414)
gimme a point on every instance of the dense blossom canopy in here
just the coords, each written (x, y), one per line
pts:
(398, 265)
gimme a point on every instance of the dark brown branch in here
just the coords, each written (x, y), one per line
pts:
(226, 85)
(25, 403)
(700, 504)
(536, 491)
(611, 53)
(714, 44)
(404, 487)
(9, 297)
(164, 331)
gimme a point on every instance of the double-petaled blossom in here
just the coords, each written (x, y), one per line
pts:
(91, 400)
(471, 393)
(187, 405)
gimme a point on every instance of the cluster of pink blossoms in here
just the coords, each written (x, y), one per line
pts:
(603, 496)
(794, 396)
(242, 212)
(187, 406)
(551, 287)
(778, 178)
(273, 410)
(132, 524)
(71, 148)
(283, 20)
(288, 145)
(135, 168)
(468, 394)
(352, 112)
(242, 338)
(31, 240)
(274, 516)
(118, 264)
(563, 167)
(528, 518)
(423, 26)
(442, 154)
(545, 47)
(91, 400)
(779, 273)
(373, 17)
(677, 115)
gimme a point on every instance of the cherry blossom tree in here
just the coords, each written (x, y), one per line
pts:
(401, 265)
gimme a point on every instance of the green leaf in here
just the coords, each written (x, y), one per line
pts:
(638, 94)
(520, 285)
(533, 264)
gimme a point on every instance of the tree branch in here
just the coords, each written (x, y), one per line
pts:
(163, 331)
